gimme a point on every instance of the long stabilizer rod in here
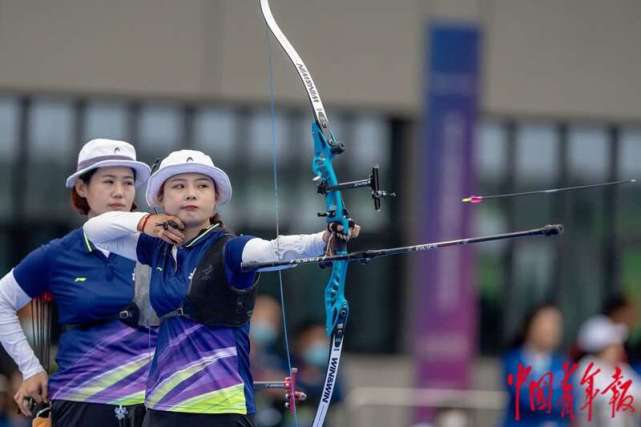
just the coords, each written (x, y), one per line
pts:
(368, 255)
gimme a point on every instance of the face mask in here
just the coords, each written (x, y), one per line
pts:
(262, 333)
(316, 355)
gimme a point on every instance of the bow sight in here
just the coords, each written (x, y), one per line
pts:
(374, 182)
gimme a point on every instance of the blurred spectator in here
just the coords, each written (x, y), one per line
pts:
(264, 335)
(602, 341)
(266, 362)
(311, 354)
(536, 347)
(622, 310)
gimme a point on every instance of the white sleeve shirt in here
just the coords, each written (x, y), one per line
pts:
(14, 341)
(118, 232)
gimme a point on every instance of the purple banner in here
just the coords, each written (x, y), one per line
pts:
(445, 303)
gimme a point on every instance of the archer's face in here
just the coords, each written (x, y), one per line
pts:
(191, 197)
(109, 189)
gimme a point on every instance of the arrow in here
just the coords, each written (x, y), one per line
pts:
(478, 199)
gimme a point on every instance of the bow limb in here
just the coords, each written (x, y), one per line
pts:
(305, 76)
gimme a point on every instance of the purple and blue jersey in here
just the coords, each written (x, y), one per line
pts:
(107, 362)
(196, 368)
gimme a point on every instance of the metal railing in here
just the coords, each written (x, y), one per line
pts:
(390, 406)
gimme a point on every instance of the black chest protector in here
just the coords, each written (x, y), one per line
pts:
(211, 300)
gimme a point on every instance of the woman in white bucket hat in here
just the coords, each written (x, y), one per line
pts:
(200, 374)
(102, 360)
(605, 368)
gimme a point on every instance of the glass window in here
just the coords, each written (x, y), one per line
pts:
(106, 120)
(160, 131)
(262, 131)
(491, 159)
(630, 154)
(6, 252)
(52, 136)
(588, 152)
(537, 167)
(531, 282)
(589, 162)
(305, 146)
(52, 154)
(537, 153)
(371, 145)
(307, 204)
(8, 150)
(8, 127)
(260, 197)
(215, 133)
(629, 196)
(533, 261)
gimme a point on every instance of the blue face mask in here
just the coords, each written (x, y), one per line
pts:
(262, 333)
(316, 355)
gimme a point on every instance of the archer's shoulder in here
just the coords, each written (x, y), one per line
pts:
(40, 258)
(73, 239)
(236, 243)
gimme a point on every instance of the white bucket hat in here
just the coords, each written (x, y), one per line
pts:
(101, 153)
(599, 332)
(187, 161)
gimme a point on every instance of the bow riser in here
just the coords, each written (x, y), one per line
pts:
(335, 301)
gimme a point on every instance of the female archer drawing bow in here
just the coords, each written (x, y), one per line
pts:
(200, 372)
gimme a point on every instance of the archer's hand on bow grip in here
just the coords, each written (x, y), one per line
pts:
(336, 238)
(166, 227)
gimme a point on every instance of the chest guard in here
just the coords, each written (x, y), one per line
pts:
(211, 300)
